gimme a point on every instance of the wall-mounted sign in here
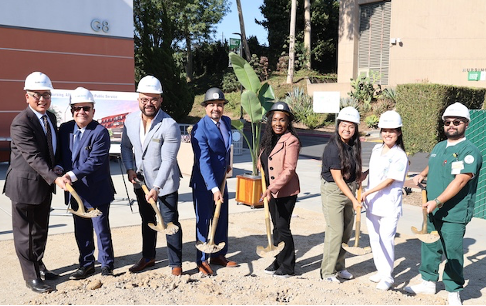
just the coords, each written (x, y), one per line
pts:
(100, 25)
(326, 101)
(474, 75)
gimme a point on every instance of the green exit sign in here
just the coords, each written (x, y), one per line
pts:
(474, 75)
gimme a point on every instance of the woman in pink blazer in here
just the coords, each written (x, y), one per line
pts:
(279, 153)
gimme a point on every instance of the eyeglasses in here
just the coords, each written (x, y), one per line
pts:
(79, 108)
(145, 100)
(454, 122)
(37, 96)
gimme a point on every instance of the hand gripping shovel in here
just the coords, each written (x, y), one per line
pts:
(423, 235)
(356, 250)
(210, 247)
(171, 228)
(270, 250)
(91, 213)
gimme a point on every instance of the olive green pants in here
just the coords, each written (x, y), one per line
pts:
(450, 245)
(339, 214)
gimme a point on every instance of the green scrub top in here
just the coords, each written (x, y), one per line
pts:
(444, 164)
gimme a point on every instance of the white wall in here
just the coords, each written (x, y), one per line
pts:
(75, 16)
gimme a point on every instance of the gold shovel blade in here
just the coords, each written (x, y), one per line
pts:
(356, 250)
(429, 238)
(271, 250)
(209, 247)
(416, 231)
(171, 228)
(92, 213)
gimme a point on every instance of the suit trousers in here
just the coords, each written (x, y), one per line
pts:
(83, 232)
(168, 210)
(339, 214)
(30, 224)
(281, 211)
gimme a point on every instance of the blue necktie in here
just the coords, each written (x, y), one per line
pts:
(224, 132)
(76, 140)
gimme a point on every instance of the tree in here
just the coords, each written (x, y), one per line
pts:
(243, 32)
(194, 21)
(307, 33)
(290, 74)
(153, 38)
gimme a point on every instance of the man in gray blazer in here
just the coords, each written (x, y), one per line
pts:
(154, 137)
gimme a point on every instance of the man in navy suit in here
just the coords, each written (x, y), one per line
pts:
(85, 146)
(211, 141)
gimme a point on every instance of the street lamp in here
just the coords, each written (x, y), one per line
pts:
(241, 87)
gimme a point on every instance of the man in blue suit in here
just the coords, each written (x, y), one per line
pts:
(85, 146)
(154, 137)
(211, 141)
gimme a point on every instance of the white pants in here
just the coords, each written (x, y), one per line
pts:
(382, 232)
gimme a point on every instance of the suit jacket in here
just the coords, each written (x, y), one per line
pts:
(29, 177)
(156, 158)
(91, 163)
(282, 164)
(211, 155)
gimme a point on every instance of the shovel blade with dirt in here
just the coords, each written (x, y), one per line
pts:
(270, 250)
(356, 249)
(171, 228)
(422, 234)
(81, 212)
(210, 247)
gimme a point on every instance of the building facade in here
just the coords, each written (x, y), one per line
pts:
(85, 43)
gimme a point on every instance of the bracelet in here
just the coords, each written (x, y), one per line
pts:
(439, 203)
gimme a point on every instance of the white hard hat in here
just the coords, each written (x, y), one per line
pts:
(350, 114)
(456, 110)
(390, 120)
(37, 81)
(149, 84)
(81, 95)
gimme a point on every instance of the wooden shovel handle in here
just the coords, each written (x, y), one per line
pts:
(76, 196)
(358, 218)
(267, 211)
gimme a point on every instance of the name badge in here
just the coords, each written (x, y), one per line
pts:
(156, 140)
(456, 167)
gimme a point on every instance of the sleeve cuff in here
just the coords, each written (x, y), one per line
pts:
(72, 176)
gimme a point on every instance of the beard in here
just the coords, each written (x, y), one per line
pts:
(455, 134)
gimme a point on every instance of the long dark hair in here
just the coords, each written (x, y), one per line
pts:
(345, 156)
(269, 134)
(399, 141)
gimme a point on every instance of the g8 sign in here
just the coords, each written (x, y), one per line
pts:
(100, 25)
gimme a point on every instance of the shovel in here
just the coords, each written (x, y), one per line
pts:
(356, 250)
(91, 213)
(171, 228)
(210, 247)
(423, 235)
(270, 250)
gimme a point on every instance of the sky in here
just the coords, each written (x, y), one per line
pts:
(231, 24)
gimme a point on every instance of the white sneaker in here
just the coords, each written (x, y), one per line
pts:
(375, 278)
(344, 274)
(426, 287)
(332, 279)
(384, 284)
(454, 298)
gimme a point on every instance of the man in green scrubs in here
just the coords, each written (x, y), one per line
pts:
(453, 172)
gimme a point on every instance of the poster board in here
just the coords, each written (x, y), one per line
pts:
(111, 108)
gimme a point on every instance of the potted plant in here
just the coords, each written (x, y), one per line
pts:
(256, 99)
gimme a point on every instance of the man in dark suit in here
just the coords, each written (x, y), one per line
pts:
(211, 141)
(85, 146)
(30, 179)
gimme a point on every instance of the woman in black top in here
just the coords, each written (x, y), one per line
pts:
(341, 169)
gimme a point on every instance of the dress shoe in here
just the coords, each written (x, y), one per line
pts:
(222, 261)
(142, 264)
(205, 268)
(38, 285)
(177, 271)
(48, 275)
(106, 271)
(82, 272)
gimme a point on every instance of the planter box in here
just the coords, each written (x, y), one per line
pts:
(249, 190)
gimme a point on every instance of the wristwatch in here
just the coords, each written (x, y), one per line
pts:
(439, 203)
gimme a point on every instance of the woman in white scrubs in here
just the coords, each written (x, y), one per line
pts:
(387, 170)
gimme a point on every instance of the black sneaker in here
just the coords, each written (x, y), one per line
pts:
(106, 271)
(271, 268)
(282, 274)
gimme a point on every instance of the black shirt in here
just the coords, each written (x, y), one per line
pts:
(332, 160)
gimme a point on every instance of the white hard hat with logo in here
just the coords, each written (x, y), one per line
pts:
(38, 81)
(350, 114)
(390, 120)
(149, 84)
(81, 95)
(456, 110)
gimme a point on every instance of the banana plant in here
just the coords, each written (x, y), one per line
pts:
(256, 100)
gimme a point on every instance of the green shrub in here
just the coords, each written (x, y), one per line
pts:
(372, 121)
(302, 108)
(230, 82)
(365, 91)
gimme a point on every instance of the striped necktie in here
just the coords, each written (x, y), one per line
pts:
(49, 139)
